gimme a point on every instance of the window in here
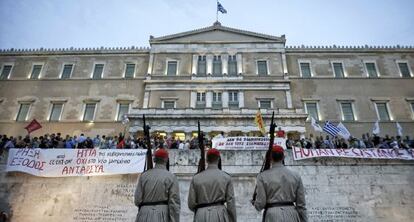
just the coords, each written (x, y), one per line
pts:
(67, 71)
(23, 112)
(201, 100)
(404, 69)
(305, 69)
(5, 72)
(232, 65)
(129, 70)
(338, 69)
(167, 104)
(217, 66)
(97, 72)
(312, 110)
(262, 68)
(89, 114)
(123, 108)
(171, 68)
(36, 71)
(217, 100)
(201, 65)
(347, 111)
(234, 99)
(56, 111)
(265, 104)
(371, 69)
(382, 111)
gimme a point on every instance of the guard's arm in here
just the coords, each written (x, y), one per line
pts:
(192, 197)
(231, 202)
(174, 201)
(260, 202)
(300, 202)
(138, 192)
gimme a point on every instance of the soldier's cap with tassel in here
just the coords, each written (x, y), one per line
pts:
(161, 153)
(213, 152)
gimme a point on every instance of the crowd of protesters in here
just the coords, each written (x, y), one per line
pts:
(103, 142)
(366, 141)
(134, 142)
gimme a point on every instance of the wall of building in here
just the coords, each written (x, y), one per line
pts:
(336, 190)
(353, 62)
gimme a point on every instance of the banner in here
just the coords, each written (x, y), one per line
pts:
(241, 143)
(374, 153)
(75, 162)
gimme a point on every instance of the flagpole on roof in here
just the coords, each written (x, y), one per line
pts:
(217, 11)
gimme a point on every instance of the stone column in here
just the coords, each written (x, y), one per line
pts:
(239, 63)
(146, 100)
(150, 64)
(224, 64)
(288, 99)
(193, 99)
(194, 65)
(284, 63)
(241, 99)
(209, 99)
(225, 99)
(209, 61)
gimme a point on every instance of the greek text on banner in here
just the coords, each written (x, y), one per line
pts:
(241, 143)
(75, 162)
(374, 153)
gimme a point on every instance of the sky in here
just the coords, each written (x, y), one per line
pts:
(123, 23)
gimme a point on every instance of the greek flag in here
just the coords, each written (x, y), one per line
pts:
(220, 8)
(331, 129)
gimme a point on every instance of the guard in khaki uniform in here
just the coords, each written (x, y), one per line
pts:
(211, 194)
(157, 195)
(280, 192)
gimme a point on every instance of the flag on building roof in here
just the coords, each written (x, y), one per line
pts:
(315, 125)
(259, 122)
(34, 125)
(376, 129)
(331, 129)
(343, 131)
(220, 8)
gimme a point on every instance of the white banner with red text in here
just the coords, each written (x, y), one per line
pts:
(75, 162)
(241, 143)
(373, 153)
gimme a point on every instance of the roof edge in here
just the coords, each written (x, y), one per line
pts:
(217, 26)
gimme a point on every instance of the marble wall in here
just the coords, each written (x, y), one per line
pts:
(336, 190)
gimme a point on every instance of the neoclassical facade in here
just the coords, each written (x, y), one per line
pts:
(217, 75)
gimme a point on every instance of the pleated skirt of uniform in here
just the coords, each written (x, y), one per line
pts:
(157, 213)
(282, 214)
(212, 214)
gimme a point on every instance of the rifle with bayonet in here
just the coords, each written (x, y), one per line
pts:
(202, 161)
(147, 140)
(267, 159)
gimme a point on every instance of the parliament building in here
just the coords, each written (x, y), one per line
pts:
(217, 75)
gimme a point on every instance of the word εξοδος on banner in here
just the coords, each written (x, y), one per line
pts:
(75, 162)
(371, 153)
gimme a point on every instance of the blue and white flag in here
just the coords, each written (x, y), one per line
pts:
(220, 8)
(331, 129)
(344, 132)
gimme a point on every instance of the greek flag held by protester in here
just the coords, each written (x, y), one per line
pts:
(376, 129)
(399, 129)
(220, 8)
(331, 129)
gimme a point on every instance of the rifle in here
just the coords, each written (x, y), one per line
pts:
(267, 159)
(202, 161)
(148, 163)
